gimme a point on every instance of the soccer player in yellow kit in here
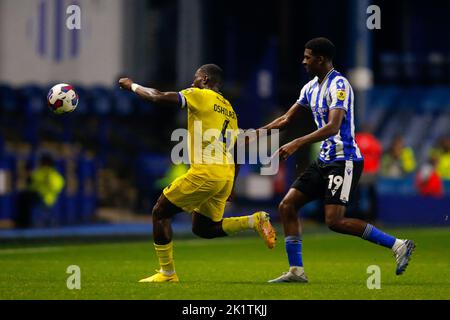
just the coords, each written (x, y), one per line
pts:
(205, 188)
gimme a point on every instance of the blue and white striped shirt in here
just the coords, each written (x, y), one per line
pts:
(334, 92)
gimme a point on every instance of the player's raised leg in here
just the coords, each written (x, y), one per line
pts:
(336, 221)
(162, 215)
(208, 221)
(259, 221)
(206, 228)
(288, 209)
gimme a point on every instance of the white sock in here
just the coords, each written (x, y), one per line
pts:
(296, 270)
(251, 221)
(397, 244)
(167, 273)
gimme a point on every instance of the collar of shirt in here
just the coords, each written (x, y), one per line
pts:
(325, 78)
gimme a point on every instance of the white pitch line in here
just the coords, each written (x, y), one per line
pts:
(29, 250)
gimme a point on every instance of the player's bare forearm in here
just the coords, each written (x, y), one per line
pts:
(330, 129)
(319, 135)
(157, 96)
(150, 94)
(281, 122)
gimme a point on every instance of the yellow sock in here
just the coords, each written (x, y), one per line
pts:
(236, 224)
(165, 256)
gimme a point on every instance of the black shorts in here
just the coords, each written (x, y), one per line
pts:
(333, 182)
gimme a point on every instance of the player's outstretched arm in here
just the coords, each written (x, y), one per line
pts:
(153, 95)
(282, 122)
(278, 124)
(330, 129)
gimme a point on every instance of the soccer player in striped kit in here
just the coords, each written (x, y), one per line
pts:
(335, 174)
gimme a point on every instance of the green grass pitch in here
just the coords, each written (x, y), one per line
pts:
(235, 268)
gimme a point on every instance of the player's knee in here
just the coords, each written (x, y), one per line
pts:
(286, 208)
(157, 212)
(334, 223)
(202, 232)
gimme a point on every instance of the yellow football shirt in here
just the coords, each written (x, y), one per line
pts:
(213, 128)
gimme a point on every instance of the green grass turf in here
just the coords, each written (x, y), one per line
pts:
(230, 268)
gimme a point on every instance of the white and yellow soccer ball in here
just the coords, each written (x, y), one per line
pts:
(62, 98)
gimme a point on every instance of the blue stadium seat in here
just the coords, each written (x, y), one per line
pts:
(86, 194)
(34, 99)
(446, 99)
(390, 186)
(381, 101)
(144, 107)
(390, 66)
(124, 102)
(153, 165)
(435, 67)
(412, 98)
(411, 67)
(100, 101)
(392, 126)
(383, 96)
(6, 192)
(8, 99)
(435, 99)
(69, 209)
(417, 130)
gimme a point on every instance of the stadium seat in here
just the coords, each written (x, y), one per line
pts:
(435, 67)
(403, 186)
(86, 193)
(124, 102)
(100, 101)
(8, 99)
(33, 99)
(411, 67)
(383, 96)
(412, 98)
(144, 107)
(417, 130)
(6, 191)
(390, 67)
(435, 99)
(441, 126)
(395, 125)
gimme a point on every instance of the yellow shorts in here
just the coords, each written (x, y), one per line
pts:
(192, 192)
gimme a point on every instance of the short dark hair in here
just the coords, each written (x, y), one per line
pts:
(214, 73)
(321, 47)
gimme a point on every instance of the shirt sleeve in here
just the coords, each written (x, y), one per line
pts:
(340, 94)
(191, 98)
(303, 99)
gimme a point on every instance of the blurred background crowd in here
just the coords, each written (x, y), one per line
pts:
(110, 159)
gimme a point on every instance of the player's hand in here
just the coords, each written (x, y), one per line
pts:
(287, 150)
(125, 83)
